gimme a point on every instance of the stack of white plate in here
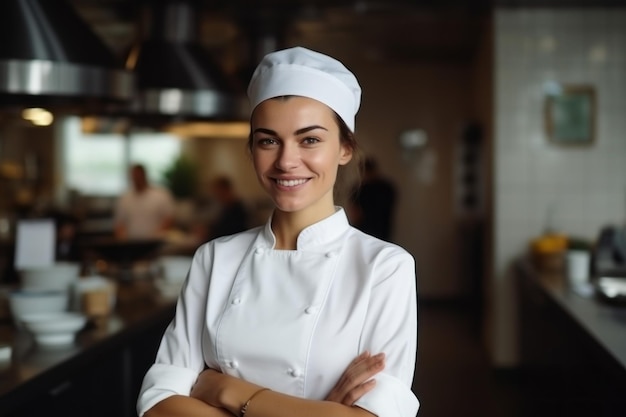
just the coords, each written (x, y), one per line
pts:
(54, 329)
(41, 304)
(22, 303)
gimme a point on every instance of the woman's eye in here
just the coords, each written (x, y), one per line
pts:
(310, 141)
(266, 141)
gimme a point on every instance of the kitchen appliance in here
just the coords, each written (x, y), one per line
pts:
(50, 57)
(609, 265)
(609, 257)
(177, 78)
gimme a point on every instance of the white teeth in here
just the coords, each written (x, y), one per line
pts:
(290, 183)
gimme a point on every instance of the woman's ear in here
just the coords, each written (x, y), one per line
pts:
(345, 155)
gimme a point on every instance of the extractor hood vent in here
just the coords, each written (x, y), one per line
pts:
(49, 55)
(176, 77)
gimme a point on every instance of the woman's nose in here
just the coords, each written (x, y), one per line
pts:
(288, 157)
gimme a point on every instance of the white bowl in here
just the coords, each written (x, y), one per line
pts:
(58, 276)
(22, 303)
(175, 268)
(58, 329)
(168, 290)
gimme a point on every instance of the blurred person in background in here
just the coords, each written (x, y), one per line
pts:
(67, 248)
(145, 211)
(372, 203)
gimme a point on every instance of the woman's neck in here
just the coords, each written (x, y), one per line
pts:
(287, 226)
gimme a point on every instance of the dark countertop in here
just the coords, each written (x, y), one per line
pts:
(139, 308)
(572, 346)
(604, 323)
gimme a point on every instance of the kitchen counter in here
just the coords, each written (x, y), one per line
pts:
(572, 347)
(100, 373)
(603, 323)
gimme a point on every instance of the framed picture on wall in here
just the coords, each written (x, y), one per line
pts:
(570, 115)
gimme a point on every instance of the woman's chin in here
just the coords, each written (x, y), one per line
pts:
(288, 207)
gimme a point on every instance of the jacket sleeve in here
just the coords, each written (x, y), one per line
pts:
(391, 327)
(179, 359)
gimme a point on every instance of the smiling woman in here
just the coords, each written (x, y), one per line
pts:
(305, 315)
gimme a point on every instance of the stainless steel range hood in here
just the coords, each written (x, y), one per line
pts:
(49, 55)
(176, 77)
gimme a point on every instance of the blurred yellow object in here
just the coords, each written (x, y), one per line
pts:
(549, 244)
(548, 252)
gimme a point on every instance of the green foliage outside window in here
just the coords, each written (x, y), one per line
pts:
(181, 177)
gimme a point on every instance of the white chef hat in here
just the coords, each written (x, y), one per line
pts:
(302, 72)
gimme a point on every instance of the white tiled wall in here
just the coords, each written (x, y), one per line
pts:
(536, 183)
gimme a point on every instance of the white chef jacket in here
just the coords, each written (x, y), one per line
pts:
(292, 320)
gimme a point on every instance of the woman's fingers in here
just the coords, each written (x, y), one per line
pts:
(356, 379)
(357, 392)
(359, 359)
(362, 370)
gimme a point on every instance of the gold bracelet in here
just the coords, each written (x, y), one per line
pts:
(244, 408)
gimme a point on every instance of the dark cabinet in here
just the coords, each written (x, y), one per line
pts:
(565, 370)
(97, 390)
(102, 381)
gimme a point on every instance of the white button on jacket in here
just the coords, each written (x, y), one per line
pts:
(294, 319)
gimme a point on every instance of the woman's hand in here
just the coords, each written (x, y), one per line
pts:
(357, 380)
(222, 391)
(219, 390)
(210, 387)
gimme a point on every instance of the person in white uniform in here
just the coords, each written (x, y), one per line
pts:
(305, 315)
(144, 212)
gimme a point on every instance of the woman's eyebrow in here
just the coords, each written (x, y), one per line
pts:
(309, 128)
(263, 130)
(297, 132)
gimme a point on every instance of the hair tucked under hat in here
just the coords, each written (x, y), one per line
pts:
(302, 72)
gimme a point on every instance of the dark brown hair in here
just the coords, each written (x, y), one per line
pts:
(350, 173)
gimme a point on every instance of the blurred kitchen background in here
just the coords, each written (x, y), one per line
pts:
(455, 109)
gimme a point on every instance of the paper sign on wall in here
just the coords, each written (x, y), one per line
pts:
(35, 242)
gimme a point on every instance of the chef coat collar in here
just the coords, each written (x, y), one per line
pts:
(318, 234)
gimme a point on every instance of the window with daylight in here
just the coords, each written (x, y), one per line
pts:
(96, 164)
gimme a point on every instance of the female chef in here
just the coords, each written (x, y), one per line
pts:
(306, 315)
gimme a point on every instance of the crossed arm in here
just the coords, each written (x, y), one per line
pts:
(219, 395)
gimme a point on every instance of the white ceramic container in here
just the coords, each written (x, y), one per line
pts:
(58, 276)
(23, 303)
(53, 330)
(175, 268)
(577, 267)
